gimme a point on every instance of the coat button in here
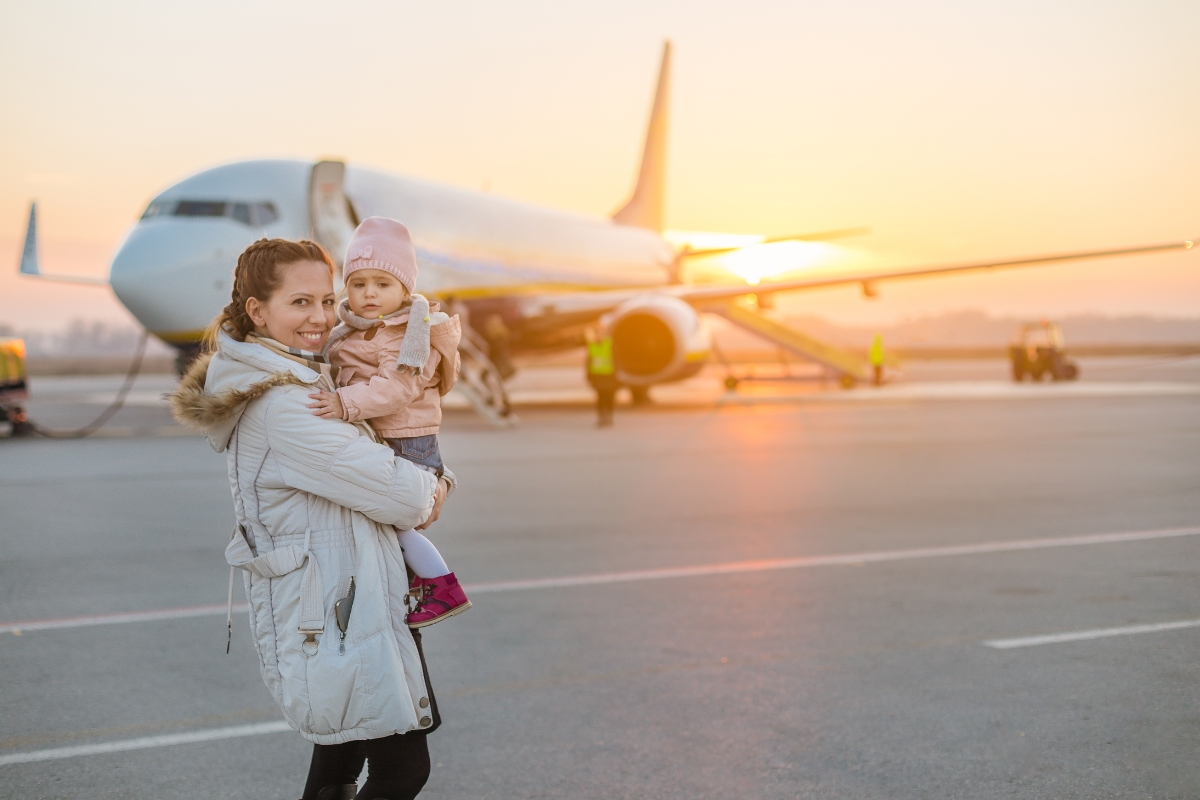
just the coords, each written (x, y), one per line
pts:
(424, 702)
(425, 722)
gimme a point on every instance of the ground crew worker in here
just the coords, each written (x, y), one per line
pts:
(876, 357)
(602, 374)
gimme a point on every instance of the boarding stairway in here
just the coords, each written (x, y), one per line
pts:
(480, 382)
(849, 367)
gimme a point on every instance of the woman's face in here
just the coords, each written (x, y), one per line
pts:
(301, 311)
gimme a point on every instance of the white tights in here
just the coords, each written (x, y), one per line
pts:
(421, 556)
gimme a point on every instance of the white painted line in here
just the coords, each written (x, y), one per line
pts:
(214, 734)
(115, 619)
(1098, 633)
(699, 570)
(975, 390)
(137, 398)
(824, 561)
(144, 742)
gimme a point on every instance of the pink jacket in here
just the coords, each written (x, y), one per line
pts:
(398, 403)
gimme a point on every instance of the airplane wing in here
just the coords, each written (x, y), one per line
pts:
(584, 307)
(30, 263)
(817, 236)
(699, 295)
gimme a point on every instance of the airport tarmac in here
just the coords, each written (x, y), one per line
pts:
(947, 588)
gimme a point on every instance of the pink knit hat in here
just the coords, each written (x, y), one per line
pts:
(382, 243)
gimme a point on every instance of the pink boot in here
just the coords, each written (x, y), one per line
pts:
(436, 599)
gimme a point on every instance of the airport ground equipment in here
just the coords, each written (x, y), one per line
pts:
(14, 386)
(1037, 350)
(849, 367)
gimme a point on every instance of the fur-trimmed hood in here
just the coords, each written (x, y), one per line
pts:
(217, 387)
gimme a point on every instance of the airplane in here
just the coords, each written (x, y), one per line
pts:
(526, 278)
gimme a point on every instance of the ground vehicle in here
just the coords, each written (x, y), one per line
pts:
(1037, 350)
(14, 390)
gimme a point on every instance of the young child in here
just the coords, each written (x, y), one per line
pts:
(396, 356)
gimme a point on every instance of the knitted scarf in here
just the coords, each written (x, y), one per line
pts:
(414, 349)
(314, 361)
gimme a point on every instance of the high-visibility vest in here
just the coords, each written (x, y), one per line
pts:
(877, 350)
(600, 357)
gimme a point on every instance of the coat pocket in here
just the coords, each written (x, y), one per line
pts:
(340, 690)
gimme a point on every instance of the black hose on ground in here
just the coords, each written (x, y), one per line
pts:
(87, 430)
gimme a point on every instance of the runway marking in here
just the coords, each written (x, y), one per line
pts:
(699, 570)
(144, 742)
(853, 559)
(978, 390)
(214, 609)
(1098, 633)
(704, 395)
(243, 716)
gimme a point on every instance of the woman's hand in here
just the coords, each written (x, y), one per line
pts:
(328, 405)
(439, 497)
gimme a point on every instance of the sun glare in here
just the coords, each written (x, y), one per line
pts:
(755, 263)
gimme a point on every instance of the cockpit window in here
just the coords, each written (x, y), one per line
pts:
(158, 207)
(264, 213)
(255, 215)
(202, 208)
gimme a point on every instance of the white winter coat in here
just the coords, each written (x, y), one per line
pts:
(316, 499)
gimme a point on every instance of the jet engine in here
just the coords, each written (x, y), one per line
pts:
(657, 338)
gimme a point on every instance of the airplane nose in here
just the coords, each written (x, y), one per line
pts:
(174, 276)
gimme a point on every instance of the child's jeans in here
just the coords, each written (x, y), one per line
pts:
(419, 553)
(420, 450)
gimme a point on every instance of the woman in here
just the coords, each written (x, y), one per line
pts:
(314, 501)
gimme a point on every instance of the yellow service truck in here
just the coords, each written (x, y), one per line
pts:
(14, 387)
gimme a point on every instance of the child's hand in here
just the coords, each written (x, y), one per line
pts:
(328, 405)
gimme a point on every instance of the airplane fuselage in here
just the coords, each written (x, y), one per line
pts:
(174, 268)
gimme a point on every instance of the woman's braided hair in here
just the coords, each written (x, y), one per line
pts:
(258, 275)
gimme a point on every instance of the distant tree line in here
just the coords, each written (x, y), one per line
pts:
(81, 337)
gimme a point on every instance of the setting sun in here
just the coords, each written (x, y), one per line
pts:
(753, 264)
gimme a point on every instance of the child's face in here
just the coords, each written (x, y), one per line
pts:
(374, 293)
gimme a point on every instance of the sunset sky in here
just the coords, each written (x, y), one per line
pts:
(957, 131)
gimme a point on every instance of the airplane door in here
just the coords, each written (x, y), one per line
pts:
(333, 217)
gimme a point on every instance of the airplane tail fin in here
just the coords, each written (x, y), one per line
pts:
(645, 206)
(29, 251)
(31, 264)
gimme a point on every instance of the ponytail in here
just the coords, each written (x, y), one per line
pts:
(258, 274)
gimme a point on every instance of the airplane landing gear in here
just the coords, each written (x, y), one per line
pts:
(640, 395)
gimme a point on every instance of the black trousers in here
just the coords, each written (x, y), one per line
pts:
(398, 766)
(606, 394)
